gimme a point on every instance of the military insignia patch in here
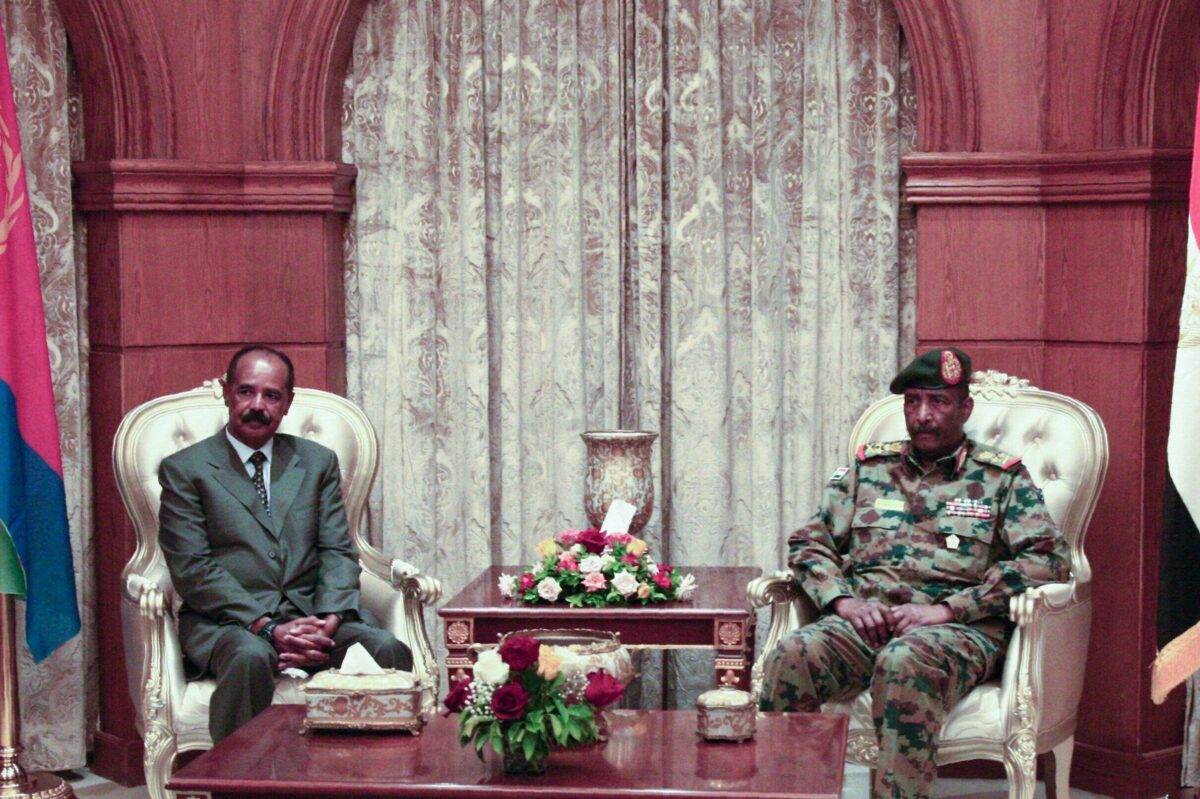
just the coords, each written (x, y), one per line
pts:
(952, 541)
(838, 474)
(971, 508)
(996, 458)
(952, 371)
(879, 448)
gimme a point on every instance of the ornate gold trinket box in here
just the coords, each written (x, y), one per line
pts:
(387, 701)
(725, 714)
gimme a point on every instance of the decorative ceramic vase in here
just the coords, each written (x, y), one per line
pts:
(515, 761)
(618, 467)
(589, 650)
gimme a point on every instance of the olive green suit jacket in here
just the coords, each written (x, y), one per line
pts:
(231, 562)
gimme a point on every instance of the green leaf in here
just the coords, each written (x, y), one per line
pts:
(557, 727)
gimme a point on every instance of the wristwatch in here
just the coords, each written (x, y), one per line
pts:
(267, 631)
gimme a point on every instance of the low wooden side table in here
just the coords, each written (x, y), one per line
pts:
(717, 617)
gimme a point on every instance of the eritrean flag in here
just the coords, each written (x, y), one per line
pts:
(35, 545)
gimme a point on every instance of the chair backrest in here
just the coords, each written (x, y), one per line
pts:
(1061, 441)
(163, 426)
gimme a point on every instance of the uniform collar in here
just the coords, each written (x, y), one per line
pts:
(949, 466)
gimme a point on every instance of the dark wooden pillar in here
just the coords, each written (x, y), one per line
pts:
(215, 202)
(1051, 191)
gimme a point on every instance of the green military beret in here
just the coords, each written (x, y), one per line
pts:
(934, 369)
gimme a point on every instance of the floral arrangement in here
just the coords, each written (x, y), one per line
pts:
(524, 697)
(591, 568)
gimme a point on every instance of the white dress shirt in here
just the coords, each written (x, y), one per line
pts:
(244, 452)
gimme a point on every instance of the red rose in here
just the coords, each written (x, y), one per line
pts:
(456, 700)
(663, 578)
(519, 652)
(593, 541)
(526, 581)
(630, 558)
(602, 688)
(509, 700)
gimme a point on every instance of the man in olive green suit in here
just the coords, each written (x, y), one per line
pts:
(255, 537)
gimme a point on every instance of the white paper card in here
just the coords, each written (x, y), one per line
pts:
(619, 516)
(359, 661)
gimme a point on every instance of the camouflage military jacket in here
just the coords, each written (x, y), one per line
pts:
(970, 531)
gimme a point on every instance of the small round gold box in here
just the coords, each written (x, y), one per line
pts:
(725, 714)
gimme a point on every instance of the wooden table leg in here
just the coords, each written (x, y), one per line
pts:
(731, 663)
(460, 634)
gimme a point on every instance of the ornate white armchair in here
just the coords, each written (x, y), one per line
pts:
(1031, 709)
(172, 712)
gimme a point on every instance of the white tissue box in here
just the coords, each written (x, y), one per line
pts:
(387, 701)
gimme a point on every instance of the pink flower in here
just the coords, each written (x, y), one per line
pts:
(662, 579)
(527, 581)
(568, 537)
(619, 538)
(631, 558)
(594, 581)
(567, 562)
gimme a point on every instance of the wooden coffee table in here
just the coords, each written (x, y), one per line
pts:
(649, 752)
(717, 617)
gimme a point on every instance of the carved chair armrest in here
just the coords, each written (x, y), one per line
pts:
(791, 608)
(1043, 674)
(152, 648)
(398, 594)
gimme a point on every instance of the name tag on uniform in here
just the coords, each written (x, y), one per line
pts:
(971, 508)
(891, 504)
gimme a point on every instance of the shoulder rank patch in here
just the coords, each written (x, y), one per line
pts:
(994, 457)
(879, 449)
(838, 474)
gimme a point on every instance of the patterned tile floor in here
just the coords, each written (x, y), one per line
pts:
(89, 786)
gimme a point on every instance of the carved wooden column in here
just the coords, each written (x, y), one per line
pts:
(215, 203)
(1051, 192)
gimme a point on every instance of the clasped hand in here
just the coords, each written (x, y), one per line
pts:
(305, 642)
(877, 624)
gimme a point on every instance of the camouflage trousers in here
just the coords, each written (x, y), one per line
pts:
(914, 680)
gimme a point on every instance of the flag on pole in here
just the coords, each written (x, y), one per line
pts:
(35, 545)
(1181, 657)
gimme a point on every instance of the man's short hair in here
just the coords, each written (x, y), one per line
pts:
(249, 348)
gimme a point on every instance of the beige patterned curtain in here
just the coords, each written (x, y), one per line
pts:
(58, 699)
(679, 215)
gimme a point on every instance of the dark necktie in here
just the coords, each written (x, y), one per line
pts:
(260, 485)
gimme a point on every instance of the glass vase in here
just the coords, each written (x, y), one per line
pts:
(515, 761)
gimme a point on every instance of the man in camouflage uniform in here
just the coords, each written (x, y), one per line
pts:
(912, 558)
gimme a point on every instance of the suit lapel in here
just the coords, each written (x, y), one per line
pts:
(231, 473)
(287, 474)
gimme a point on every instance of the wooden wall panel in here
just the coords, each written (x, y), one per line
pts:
(962, 298)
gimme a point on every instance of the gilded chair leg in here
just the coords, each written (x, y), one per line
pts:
(1061, 780)
(1022, 783)
(158, 758)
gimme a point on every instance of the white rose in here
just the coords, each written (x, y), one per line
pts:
(508, 585)
(625, 583)
(687, 587)
(592, 563)
(490, 668)
(652, 567)
(549, 589)
(607, 560)
(579, 549)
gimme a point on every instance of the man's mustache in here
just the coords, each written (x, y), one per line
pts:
(255, 416)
